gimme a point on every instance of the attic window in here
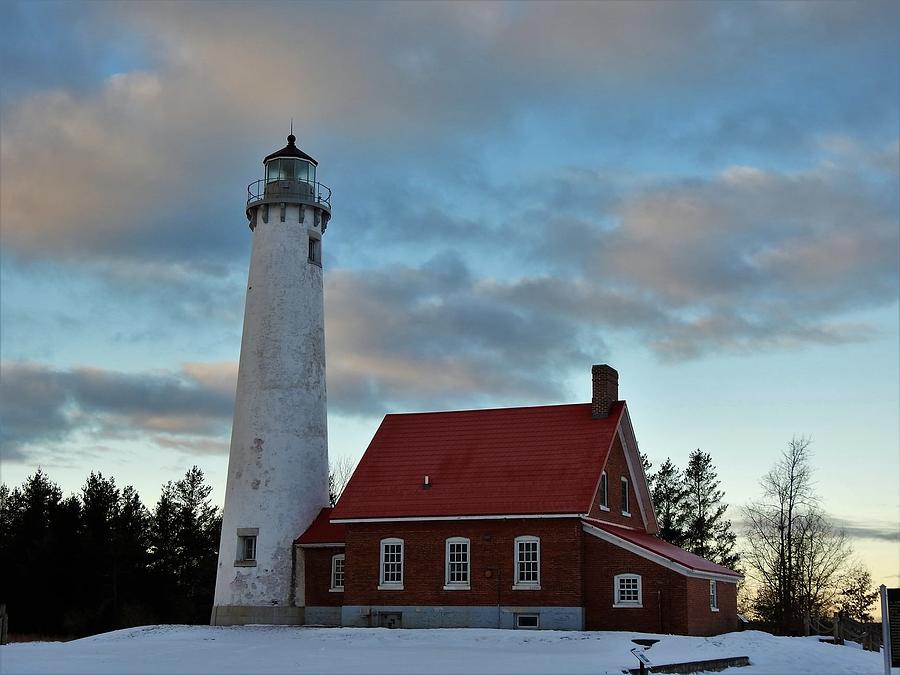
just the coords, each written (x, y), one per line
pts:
(625, 510)
(604, 492)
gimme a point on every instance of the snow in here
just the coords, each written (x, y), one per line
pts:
(279, 649)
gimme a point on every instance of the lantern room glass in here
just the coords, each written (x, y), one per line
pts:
(285, 168)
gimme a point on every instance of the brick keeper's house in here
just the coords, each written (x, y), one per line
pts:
(536, 517)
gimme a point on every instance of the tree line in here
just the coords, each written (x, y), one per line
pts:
(797, 563)
(100, 559)
(690, 508)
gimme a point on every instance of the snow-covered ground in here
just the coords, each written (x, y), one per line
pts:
(275, 649)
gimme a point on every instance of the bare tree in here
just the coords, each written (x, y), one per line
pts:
(339, 473)
(793, 555)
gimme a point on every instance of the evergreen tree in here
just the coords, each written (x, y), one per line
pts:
(669, 494)
(707, 532)
(30, 581)
(100, 509)
(163, 554)
(858, 594)
(197, 540)
(131, 545)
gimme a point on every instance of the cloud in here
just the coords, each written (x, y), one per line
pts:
(43, 406)
(433, 337)
(150, 160)
(877, 530)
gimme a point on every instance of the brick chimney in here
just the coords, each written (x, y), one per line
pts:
(605, 382)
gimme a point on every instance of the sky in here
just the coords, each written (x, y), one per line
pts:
(703, 195)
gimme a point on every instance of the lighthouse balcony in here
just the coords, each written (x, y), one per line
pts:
(292, 190)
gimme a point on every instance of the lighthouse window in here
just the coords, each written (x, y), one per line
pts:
(246, 549)
(272, 170)
(315, 251)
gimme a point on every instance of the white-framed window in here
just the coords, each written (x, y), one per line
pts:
(604, 492)
(245, 555)
(337, 572)
(391, 577)
(457, 563)
(628, 592)
(528, 563)
(528, 621)
(626, 511)
(247, 549)
(713, 596)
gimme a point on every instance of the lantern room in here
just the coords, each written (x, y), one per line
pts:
(290, 163)
(289, 178)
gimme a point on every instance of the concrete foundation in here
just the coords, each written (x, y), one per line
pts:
(411, 616)
(323, 616)
(236, 615)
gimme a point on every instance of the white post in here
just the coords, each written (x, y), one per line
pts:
(885, 630)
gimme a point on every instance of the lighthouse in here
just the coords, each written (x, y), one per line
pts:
(278, 462)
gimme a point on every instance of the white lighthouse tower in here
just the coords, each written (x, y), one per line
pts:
(278, 463)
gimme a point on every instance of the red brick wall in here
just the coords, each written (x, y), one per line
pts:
(664, 591)
(672, 603)
(701, 619)
(492, 562)
(615, 469)
(318, 577)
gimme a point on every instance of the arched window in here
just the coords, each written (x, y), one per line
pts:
(528, 563)
(604, 492)
(391, 565)
(627, 590)
(626, 511)
(457, 563)
(337, 572)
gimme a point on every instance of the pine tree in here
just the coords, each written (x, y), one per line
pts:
(707, 531)
(669, 494)
(100, 509)
(858, 594)
(197, 538)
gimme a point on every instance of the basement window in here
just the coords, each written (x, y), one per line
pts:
(713, 596)
(337, 572)
(627, 589)
(527, 621)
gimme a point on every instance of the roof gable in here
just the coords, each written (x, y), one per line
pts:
(623, 537)
(322, 531)
(506, 461)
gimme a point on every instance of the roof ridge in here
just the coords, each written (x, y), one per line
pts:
(513, 407)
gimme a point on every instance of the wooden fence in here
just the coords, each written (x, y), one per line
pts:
(841, 628)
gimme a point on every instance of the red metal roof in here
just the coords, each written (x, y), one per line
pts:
(323, 531)
(663, 548)
(505, 461)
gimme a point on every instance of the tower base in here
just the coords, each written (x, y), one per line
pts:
(239, 615)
